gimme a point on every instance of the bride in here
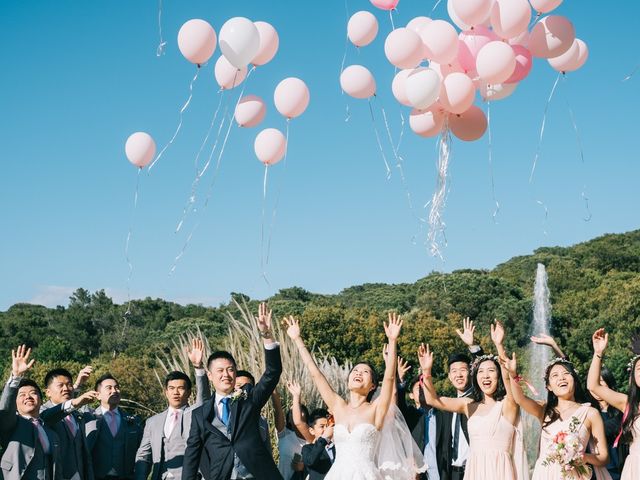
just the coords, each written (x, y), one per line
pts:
(368, 446)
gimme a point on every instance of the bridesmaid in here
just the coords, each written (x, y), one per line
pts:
(626, 403)
(492, 413)
(566, 405)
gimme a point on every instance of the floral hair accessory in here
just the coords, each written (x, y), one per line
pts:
(558, 361)
(632, 362)
(478, 360)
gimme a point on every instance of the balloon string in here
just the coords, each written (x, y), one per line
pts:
(546, 217)
(491, 176)
(194, 185)
(572, 117)
(375, 130)
(344, 57)
(633, 72)
(126, 245)
(264, 206)
(544, 120)
(393, 27)
(438, 201)
(435, 6)
(162, 44)
(182, 110)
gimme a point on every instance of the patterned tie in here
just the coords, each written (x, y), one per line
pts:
(71, 424)
(42, 435)
(225, 410)
(112, 422)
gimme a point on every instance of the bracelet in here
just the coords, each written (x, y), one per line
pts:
(517, 378)
(599, 356)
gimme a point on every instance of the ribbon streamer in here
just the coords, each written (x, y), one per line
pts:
(493, 185)
(546, 216)
(375, 130)
(126, 245)
(438, 201)
(163, 43)
(633, 72)
(182, 110)
(544, 120)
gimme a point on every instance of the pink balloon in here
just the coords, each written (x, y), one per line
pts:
(417, 23)
(423, 87)
(470, 125)
(358, 82)
(427, 123)
(398, 86)
(291, 97)
(197, 41)
(510, 17)
(447, 68)
(545, 6)
(403, 48)
(469, 44)
(140, 149)
(250, 111)
(496, 62)
(457, 93)
(572, 59)
(472, 12)
(362, 28)
(227, 75)
(385, 4)
(524, 62)
(522, 39)
(551, 37)
(497, 91)
(269, 42)
(270, 146)
(440, 40)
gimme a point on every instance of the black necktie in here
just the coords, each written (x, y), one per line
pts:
(456, 437)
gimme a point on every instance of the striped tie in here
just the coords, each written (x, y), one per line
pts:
(42, 435)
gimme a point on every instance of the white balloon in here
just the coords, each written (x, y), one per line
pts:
(422, 87)
(239, 41)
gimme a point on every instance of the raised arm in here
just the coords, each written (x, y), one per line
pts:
(600, 340)
(273, 363)
(467, 336)
(510, 407)
(20, 364)
(600, 456)
(296, 409)
(278, 412)
(196, 357)
(457, 405)
(544, 339)
(329, 396)
(510, 365)
(392, 330)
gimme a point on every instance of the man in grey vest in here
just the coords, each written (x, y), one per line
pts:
(113, 435)
(225, 437)
(165, 435)
(31, 449)
(76, 459)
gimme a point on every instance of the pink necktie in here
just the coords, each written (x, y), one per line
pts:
(174, 422)
(42, 435)
(71, 425)
(112, 422)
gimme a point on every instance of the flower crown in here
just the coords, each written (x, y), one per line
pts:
(558, 361)
(478, 360)
(632, 362)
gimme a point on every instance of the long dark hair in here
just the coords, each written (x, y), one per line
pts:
(476, 392)
(374, 376)
(633, 399)
(551, 413)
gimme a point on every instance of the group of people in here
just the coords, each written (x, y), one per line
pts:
(376, 433)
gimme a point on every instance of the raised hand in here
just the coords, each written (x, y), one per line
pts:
(392, 329)
(497, 332)
(510, 365)
(294, 388)
(425, 357)
(466, 334)
(84, 399)
(600, 340)
(20, 362)
(403, 368)
(196, 353)
(83, 376)
(293, 327)
(264, 320)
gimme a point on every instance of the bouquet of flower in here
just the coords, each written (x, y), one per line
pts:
(567, 451)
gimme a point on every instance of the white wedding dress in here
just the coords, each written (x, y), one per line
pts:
(355, 453)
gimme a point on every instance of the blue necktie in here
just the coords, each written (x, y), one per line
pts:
(427, 418)
(225, 410)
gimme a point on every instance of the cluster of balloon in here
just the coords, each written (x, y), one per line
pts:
(441, 69)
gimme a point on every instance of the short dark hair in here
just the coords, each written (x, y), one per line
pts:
(176, 375)
(221, 354)
(27, 382)
(413, 381)
(106, 376)
(608, 378)
(316, 415)
(56, 372)
(244, 373)
(458, 357)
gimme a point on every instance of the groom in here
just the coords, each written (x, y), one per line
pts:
(224, 441)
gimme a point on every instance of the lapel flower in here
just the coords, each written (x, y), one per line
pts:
(237, 395)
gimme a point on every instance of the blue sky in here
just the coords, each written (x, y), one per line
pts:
(79, 77)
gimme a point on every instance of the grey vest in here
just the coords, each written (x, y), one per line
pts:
(173, 449)
(40, 467)
(239, 470)
(72, 456)
(108, 453)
